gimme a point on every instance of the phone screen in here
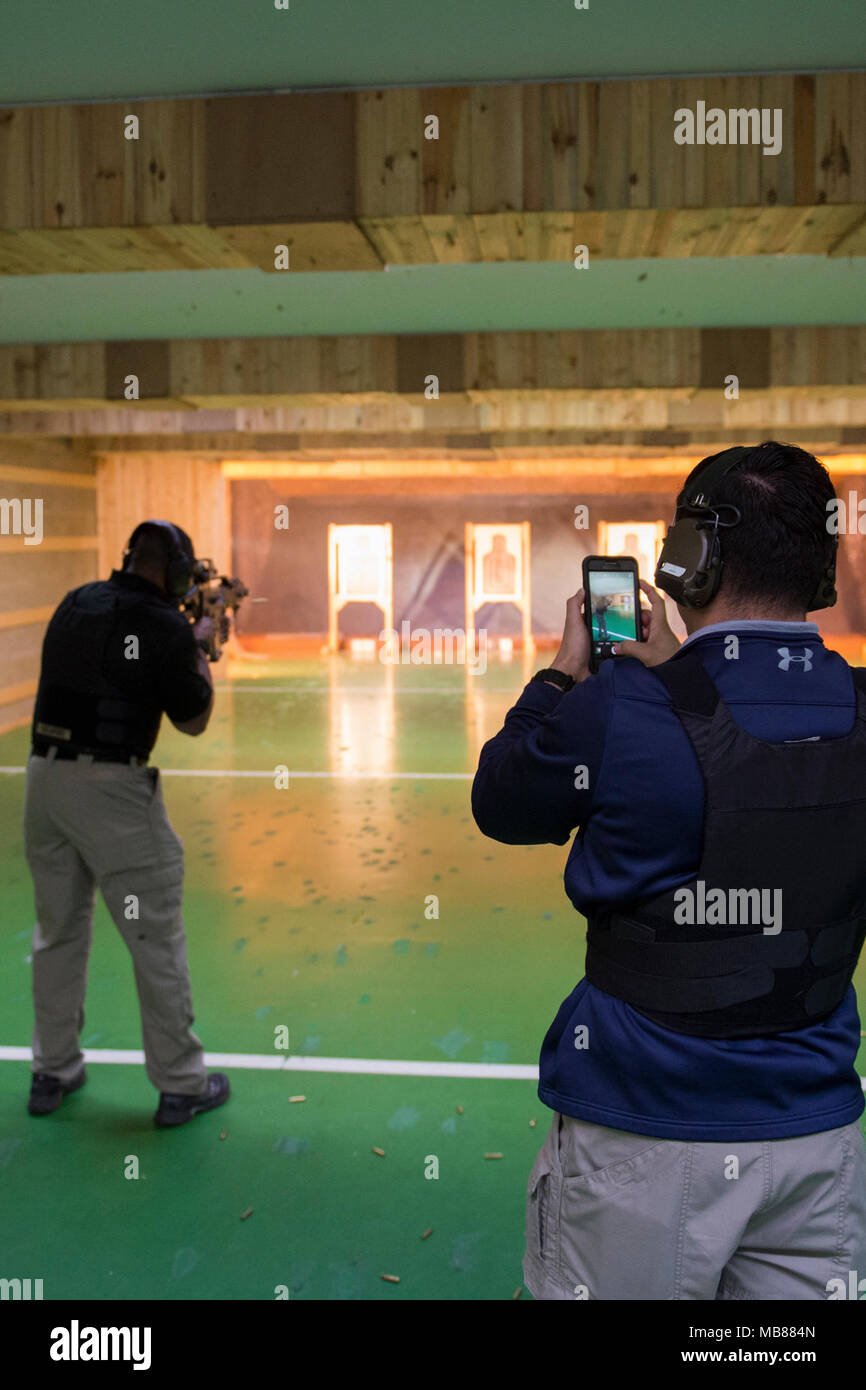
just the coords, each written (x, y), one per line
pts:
(612, 609)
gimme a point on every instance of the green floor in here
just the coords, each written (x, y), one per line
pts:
(305, 908)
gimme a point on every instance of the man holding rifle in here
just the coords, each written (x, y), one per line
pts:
(118, 653)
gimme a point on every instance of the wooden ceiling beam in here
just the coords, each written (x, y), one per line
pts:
(350, 180)
(633, 368)
(372, 243)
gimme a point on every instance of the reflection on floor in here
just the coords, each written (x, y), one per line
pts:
(307, 907)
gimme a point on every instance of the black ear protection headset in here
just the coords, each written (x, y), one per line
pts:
(690, 564)
(181, 562)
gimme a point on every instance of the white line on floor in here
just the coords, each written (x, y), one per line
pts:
(275, 1062)
(366, 1066)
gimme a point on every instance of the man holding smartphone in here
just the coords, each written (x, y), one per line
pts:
(706, 1139)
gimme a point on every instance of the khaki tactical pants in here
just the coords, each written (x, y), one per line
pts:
(611, 1215)
(90, 825)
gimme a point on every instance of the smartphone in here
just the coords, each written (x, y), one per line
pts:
(611, 604)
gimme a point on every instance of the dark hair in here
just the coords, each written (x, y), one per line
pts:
(780, 550)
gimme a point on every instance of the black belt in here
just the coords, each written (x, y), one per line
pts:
(72, 754)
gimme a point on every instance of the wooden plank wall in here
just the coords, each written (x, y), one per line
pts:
(89, 508)
(189, 491)
(34, 578)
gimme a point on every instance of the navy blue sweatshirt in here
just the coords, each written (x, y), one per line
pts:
(642, 816)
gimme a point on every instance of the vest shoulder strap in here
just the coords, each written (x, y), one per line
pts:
(693, 692)
(690, 688)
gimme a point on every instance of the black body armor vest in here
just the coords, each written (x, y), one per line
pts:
(90, 699)
(784, 820)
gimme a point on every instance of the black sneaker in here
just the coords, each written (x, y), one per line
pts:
(47, 1092)
(176, 1110)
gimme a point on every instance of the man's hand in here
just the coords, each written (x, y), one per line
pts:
(203, 629)
(659, 642)
(573, 654)
(211, 632)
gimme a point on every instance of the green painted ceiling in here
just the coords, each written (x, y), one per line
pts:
(85, 50)
(742, 291)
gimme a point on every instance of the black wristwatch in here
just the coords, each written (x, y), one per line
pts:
(556, 678)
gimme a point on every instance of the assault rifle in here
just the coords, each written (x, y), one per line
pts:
(213, 596)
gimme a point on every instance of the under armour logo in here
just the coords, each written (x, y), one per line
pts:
(787, 658)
